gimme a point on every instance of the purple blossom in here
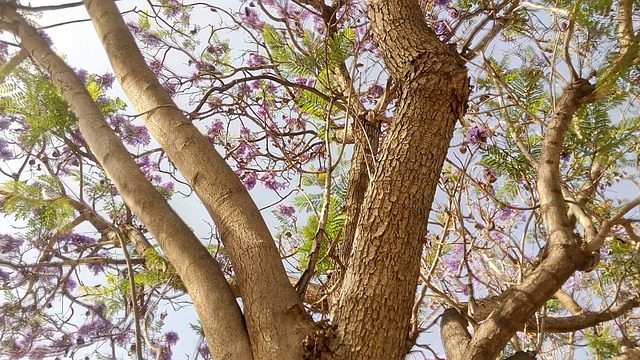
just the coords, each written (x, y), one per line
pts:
(172, 8)
(318, 24)
(376, 91)
(244, 132)
(123, 339)
(254, 59)
(214, 129)
(477, 135)
(250, 19)
(146, 165)
(306, 82)
(117, 121)
(76, 239)
(634, 75)
(96, 267)
(268, 180)
(106, 80)
(155, 66)
(565, 156)
(564, 26)
(488, 175)
(286, 210)
(443, 3)
(203, 350)
(454, 13)
(170, 87)
(102, 101)
(10, 244)
(45, 37)
(4, 276)
(82, 75)
(133, 28)
(4, 124)
(166, 189)
(5, 152)
(136, 135)
(263, 110)
(70, 285)
(249, 179)
(98, 326)
(171, 338)
(441, 28)
(509, 213)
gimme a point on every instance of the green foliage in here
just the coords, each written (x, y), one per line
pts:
(36, 99)
(111, 294)
(143, 21)
(601, 344)
(312, 203)
(158, 271)
(40, 204)
(315, 58)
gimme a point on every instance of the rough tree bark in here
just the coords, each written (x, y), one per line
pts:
(276, 320)
(378, 290)
(199, 271)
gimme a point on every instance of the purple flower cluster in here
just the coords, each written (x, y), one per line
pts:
(249, 179)
(106, 80)
(133, 135)
(96, 267)
(269, 181)
(82, 75)
(155, 66)
(136, 135)
(45, 37)
(76, 239)
(251, 19)
(148, 168)
(509, 213)
(5, 152)
(476, 136)
(171, 8)
(488, 175)
(4, 124)
(254, 59)
(306, 82)
(97, 326)
(9, 244)
(286, 210)
(376, 91)
(214, 129)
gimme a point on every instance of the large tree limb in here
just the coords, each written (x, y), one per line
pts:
(564, 252)
(454, 334)
(274, 314)
(199, 271)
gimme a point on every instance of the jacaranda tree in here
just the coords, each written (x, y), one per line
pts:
(467, 168)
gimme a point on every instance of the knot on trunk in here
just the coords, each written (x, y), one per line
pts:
(317, 345)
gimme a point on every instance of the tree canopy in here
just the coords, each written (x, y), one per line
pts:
(435, 179)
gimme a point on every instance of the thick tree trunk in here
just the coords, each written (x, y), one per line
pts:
(276, 320)
(199, 271)
(378, 290)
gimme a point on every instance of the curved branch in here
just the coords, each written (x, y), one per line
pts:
(274, 314)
